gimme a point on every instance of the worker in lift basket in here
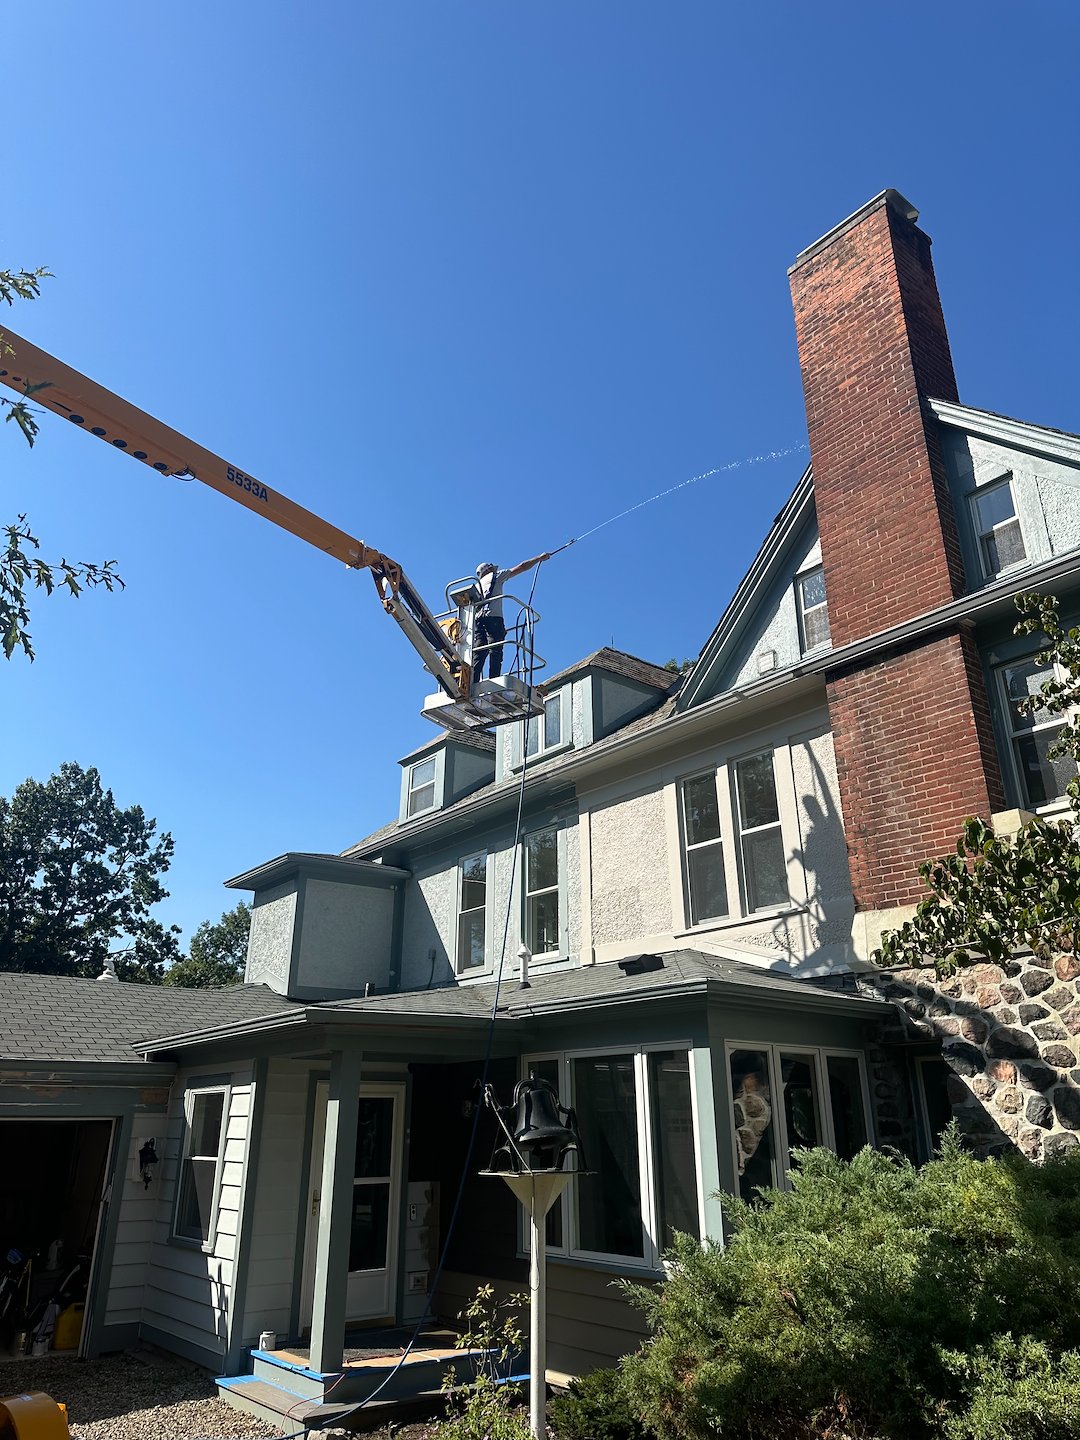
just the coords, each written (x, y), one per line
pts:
(490, 625)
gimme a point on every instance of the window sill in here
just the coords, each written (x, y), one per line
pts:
(640, 1269)
(731, 922)
(563, 749)
(186, 1242)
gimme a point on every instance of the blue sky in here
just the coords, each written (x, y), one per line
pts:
(466, 277)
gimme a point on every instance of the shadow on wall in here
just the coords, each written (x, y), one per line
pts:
(426, 964)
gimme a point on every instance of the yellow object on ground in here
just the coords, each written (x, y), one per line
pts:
(33, 1416)
(68, 1331)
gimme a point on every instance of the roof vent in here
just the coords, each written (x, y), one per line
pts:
(109, 972)
(641, 964)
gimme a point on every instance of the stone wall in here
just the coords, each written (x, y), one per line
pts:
(1010, 1035)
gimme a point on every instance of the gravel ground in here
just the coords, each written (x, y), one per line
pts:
(135, 1396)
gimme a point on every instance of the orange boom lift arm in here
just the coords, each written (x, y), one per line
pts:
(83, 402)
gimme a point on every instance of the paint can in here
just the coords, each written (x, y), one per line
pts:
(268, 1340)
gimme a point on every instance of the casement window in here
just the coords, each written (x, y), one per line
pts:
(734, 852)
(541, 891)
(813, 611)
(789, 1097)
(1031, 733)
(421, 793)
(635, 1111)
(997, 526)
(545, 732)
(472, 914)
(201, 1160)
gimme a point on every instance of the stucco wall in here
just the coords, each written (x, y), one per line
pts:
(430, 906)
(270, 942)
(631, 891)
(776, 626)
(346, 935)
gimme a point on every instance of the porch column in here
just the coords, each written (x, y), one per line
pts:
(335, 1212)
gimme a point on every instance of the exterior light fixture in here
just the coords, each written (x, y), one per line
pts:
(538, 1151)
(148, 1158)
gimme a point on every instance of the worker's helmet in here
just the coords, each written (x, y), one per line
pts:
(485, 567)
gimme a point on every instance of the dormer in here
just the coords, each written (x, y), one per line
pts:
(584, 703)
(444, 770)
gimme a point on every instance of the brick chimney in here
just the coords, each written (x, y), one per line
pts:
(911, 727)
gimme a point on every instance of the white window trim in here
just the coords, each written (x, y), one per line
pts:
(411, 789)
(731, 835)
(543, 750)
(974, 496)
(1040, 720)
(820, 1054)
(650, 1259)
(471, 970)
(559, 888)
(740, 833)
(801, 610)
(191, 1094)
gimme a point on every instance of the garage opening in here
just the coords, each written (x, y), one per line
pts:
(50, 1202)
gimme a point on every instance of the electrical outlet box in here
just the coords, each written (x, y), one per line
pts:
(417, 1282)
(414, 1211)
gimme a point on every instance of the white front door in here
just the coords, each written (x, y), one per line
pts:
(376, 1203)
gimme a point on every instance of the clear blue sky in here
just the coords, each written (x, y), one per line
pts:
(465, 277)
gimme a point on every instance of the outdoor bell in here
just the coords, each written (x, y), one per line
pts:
(539, 1132)
(148, 1158)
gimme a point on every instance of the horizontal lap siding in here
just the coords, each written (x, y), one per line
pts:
(125, 1279)
(590, 1324)
(188, 1291)
(283, 1147)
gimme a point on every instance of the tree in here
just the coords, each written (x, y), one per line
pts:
(78, 878)
(997, 894)
(217, 953)
(20, 569)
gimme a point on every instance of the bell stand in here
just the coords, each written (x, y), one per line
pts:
(537, 1190)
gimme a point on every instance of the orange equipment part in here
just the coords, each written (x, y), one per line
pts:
(33, 1416)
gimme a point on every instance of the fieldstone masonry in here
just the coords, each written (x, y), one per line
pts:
(1010, 1035)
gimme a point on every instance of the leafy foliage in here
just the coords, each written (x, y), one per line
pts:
(78, 878)
(596, 1407)
(484, 1409)
(217, 952)
(997, 894)
(21, 570)
(873, 1301)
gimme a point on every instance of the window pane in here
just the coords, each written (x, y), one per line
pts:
(542, 923)
(812, 587)
(800, 1101)
(816, 628)
(933, 1080)
(423, 773)
(754, 1131)
(471, 941)
(1004, 546)
(552, 721)
(609, 1200)
(846, 1104)
(701, 809)
(193, 1212)
(708, 883)
(474, 883)
(673, 1145)
(422, 799)
(757, 791)
(542, 850)
(766, 869)
(532, 736)
(206, 1124)
(370, 1227)
(374, 1135)
(994, 505)
(1042, 780)
(1022, 682)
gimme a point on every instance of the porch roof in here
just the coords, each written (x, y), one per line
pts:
(671, 976)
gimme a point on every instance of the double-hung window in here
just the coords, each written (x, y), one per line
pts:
(1031, 734)
(421, 795)
(813, 611)
(734, 854)
(1001, 540)
(783, 1098)
(541, 857)
(472, 914)
(201, 1160)
(635, 1111)
(545, 732)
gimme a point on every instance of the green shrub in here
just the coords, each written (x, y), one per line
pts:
(596, 1408)
(1019, 1390)
(483, 1408)
(866, 1303)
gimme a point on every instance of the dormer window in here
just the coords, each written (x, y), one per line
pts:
(1001, 540)
(545, 731)
(421, 787)
(813, 611)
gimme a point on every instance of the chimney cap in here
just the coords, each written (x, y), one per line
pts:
(899, 203)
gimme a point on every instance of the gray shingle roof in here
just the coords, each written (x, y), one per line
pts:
(618, 662)
(52, 1017)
